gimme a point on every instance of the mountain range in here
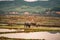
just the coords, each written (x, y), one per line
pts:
(51, 3)
(21, 5)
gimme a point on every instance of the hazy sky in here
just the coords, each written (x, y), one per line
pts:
(26, 0)
(6, 0)
(34, 0)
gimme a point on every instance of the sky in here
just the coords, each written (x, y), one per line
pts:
(34, 0)
(26, 0)
(6, 0)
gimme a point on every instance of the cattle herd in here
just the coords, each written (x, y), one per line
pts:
(39, 25)
(28, 25)
(31, 24)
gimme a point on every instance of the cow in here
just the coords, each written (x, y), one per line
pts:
(31, 24)
(27, 25)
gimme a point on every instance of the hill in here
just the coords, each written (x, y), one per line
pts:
(32, 7)
(13, 5)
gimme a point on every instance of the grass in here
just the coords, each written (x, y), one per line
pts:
(12, 27)
(32, 28)
(42, 29)
(41, 20)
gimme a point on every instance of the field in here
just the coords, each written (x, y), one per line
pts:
(53, 25)
(46, 23)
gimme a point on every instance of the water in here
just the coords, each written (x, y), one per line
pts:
(9, 30)
(34, 35)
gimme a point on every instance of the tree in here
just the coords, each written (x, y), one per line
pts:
(2, 12)
(56, 9)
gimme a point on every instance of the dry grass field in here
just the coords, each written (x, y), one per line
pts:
(36, 19)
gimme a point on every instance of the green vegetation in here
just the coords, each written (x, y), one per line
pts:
(56, 8)
(31, 29)
(20, 9)
(21, 6)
